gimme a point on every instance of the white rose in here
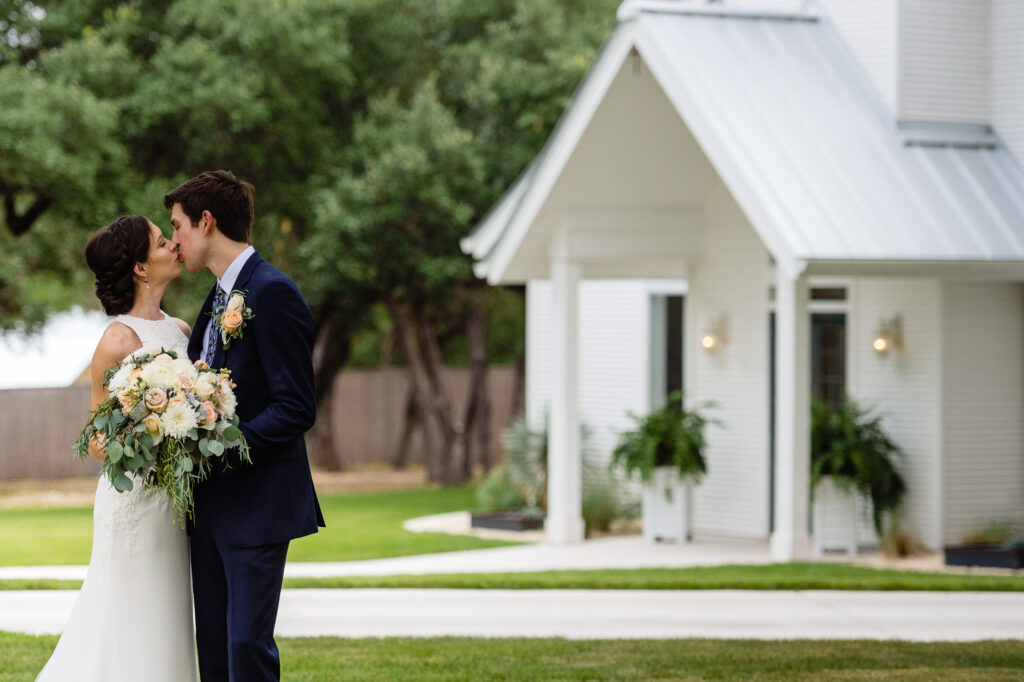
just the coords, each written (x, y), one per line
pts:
(206, 385)
(161, 375)
(236, 302)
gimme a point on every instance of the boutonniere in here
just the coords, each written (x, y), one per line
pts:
(231, 318)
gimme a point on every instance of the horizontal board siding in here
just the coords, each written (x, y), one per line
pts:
(983, 407)
(1008, 73)
(613, 356)
(869, 28)
(38, 431)
(944, 67)
(904, 386)
(732, 281)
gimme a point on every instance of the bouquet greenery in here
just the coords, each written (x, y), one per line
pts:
(165, 421)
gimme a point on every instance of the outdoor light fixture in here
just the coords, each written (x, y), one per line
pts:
(715, 336)
(889, 335)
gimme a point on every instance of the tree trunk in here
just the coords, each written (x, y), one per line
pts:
(419, 393)
(452, 437)
(330, 353)
(477, 420)
(410, 421)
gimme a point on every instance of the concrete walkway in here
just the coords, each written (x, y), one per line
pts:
(599, 614)
(613, 552)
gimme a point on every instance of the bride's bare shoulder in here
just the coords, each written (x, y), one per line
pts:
(118, 340)
(183, 326)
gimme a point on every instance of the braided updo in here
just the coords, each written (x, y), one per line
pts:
(112, 254)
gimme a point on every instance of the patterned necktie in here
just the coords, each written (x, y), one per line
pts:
(219, 301)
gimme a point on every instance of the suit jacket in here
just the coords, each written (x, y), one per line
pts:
(272, 500)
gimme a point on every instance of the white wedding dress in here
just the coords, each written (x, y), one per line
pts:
(132, 619)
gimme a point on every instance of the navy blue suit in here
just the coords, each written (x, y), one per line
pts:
(245, 516)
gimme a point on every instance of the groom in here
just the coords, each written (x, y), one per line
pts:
(245, 516)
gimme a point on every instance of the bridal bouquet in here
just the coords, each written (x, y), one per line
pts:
(166, 421)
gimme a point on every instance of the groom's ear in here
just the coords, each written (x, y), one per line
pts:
(209, 222)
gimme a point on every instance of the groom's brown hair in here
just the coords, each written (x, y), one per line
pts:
(227, 198)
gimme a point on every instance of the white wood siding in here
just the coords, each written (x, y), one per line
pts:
(1008, 73)
(983, 344)
(614, 355)
(944, 61)
(869, 28)
(904, 386)
(732, 281)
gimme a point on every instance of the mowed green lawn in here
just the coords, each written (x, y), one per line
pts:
(329, 658)
(366, 525)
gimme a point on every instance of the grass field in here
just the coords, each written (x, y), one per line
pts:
(328, 658)
(365, 525)
(796, 576)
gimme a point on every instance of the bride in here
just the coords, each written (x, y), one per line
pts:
(132, 619)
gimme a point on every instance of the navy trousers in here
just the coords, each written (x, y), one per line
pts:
(236, 592)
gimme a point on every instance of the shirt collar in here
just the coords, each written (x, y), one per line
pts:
(227, 282)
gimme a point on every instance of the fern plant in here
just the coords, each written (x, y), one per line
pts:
(669, 436)
(851, 446)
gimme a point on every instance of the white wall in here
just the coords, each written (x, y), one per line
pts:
(904, 386)
(944, 61)
(731, 281)
(869, 28)
(1007, 51)
(983, 407)
(614, 360)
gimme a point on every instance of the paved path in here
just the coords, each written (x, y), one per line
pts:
(588, 614)
(614, 552)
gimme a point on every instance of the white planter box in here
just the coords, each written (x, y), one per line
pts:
(667, 506)
(835, 518)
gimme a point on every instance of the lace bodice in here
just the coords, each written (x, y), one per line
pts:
(163, 333)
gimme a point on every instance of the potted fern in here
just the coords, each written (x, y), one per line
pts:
(666, 450)
(851, 456)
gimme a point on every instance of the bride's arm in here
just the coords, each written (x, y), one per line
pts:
(117, 342)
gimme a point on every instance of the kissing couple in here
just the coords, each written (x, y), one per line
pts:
(133, 618)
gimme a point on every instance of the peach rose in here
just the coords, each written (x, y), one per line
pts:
(128, 399)
(186, 382)
(231, 320)
(135, 374)
(211, 412)
(201, 364)
(156, 400)
(179, 399)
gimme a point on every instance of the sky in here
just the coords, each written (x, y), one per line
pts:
(54, 357)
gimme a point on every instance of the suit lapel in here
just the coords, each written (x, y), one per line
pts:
(195, 342)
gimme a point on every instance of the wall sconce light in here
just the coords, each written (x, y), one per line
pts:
(714, 336)
(889, 335)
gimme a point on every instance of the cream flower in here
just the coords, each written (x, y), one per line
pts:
(227, 402)
(156, 400)
(178, 420)
(236, 302)
(206, 385)
(120, 379)
(161, 375)
(154, 428)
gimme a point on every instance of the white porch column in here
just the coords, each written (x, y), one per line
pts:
(564, 522)
(792, 417)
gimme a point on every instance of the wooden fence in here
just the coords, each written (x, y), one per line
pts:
(38, 427)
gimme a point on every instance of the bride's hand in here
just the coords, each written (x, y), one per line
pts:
(97, 446)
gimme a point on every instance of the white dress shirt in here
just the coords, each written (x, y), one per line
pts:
(227, 283)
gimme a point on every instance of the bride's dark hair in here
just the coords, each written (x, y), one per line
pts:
(112, 254)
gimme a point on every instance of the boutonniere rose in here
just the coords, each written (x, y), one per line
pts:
(231, 318)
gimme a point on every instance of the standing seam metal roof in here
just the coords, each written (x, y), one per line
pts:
(791, 121)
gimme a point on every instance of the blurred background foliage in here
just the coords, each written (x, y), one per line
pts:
(377, 134)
